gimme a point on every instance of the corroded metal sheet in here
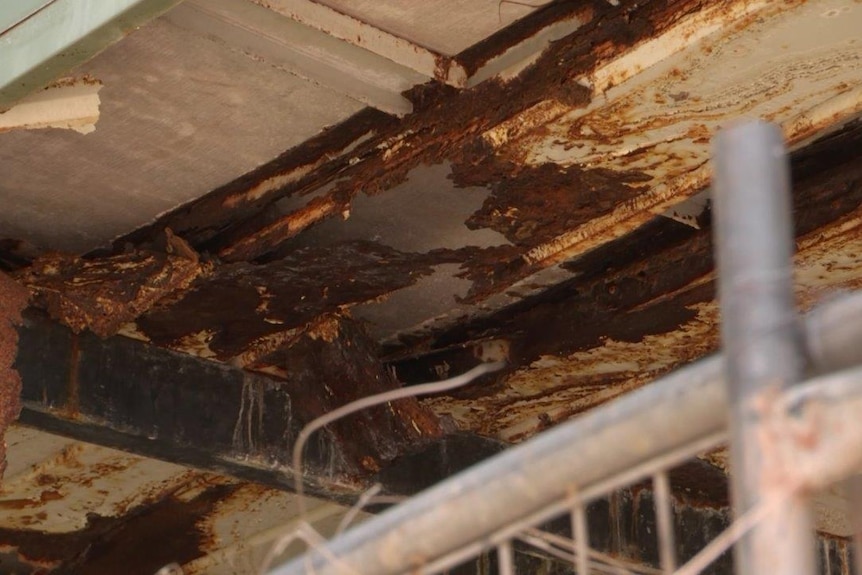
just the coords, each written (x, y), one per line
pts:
(97, 510)
(566, 165)
(609, 127)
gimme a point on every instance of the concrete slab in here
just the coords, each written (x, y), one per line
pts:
(181, 114)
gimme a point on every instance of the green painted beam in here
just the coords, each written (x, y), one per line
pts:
(44, 39)
(13, 13)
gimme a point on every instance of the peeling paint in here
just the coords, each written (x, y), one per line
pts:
(554, 389)
(71, 103)
(644, 305)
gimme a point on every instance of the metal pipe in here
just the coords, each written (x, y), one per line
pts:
(664, 522)
(582, 540)
(832, 339)
(761, 338)
(530, 477)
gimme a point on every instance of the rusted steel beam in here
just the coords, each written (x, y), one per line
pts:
(245, 310)
(13, 299)
(263, 241)
(643, 304)
(127, 394)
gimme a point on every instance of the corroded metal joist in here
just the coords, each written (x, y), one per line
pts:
(127, 394)
(607, 128)
(444, 122)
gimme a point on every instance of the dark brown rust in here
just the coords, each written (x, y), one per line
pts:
(142, 541)
(16, 254)
(103, 294)
(263, 241)
(696, 483)
(531, 205)
(242, 302)
(336, 358)
(13, 299)
(615, 282)
(479, 54)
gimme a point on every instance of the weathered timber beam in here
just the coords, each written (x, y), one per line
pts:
(130, 395)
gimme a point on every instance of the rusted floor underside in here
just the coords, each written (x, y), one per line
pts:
(540, 237)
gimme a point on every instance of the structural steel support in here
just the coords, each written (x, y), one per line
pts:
(52, 37)
(762, 342)
(134, 396)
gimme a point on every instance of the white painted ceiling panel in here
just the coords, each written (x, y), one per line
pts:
(445, 26)
(181, 114)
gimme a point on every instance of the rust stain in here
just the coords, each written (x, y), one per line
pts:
(556, 388)
(479, 54)
(13, 299)
(669, 142)
(533, 204)
(350, 369)
(236, 309)
(73, 403)
(153, 534)
(44, 496)
(442, 65)
(16, 254)
(85, 79)
(444, 120)
(264, 240)
(324, 328)
(643, 304)
(233, 204)
(103, 294)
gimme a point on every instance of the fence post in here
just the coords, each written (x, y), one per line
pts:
(761, 336)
